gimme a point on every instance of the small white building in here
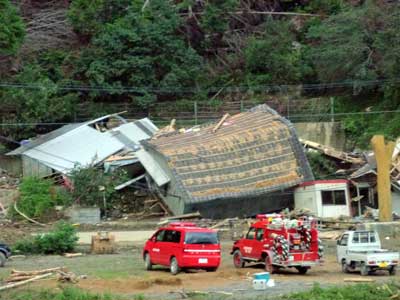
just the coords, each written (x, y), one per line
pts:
(325, 198)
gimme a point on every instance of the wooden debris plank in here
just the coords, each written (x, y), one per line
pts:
(71, 255)
(357, 279)
(35, 272)
(16, 284)
(329, 151)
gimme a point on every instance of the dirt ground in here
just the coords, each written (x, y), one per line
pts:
(123, 273)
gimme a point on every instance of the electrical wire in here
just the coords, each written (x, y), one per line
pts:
(233, 88)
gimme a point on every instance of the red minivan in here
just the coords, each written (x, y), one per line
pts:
(182, 245)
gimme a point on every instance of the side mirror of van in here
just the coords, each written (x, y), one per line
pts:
(338, 242)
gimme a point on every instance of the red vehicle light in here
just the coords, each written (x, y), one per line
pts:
(372, 262)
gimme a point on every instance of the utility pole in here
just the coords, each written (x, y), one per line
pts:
(383, 155)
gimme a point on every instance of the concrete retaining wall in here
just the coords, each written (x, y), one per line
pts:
(325, 133)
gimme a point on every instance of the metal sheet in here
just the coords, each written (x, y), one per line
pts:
(129, 182)
(83, 146)
(152, 167)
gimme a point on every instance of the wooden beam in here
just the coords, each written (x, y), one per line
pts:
(383, 154)
(223, 119)
(332, 152)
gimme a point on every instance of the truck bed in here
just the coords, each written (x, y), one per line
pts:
(373, 255)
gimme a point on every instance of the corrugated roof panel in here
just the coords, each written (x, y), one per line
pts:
(133, 132)
(152, 167)
(82, 146)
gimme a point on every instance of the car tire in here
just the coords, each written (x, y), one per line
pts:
(364, 269)
(147, 262)
(392, 270)
(345, 268)
(3, 259)
(211, 269)
(238, 261)
(269, 267)
(174, 266)
(302, 270)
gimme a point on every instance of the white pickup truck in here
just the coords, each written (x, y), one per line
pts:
(361, 250)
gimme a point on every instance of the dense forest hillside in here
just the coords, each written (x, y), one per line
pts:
(57, 55)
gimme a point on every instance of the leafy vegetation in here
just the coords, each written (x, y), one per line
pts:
(349, 292)
(205, 50)
(38, 198)
(92, 185)
(12, 29)
(66, 293)
(61, 239)
(321, 166)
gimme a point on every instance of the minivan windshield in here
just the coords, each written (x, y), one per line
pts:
(201, 238)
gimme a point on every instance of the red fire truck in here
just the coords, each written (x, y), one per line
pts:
(280, 243)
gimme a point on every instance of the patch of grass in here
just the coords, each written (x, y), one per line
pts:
(68, 293)
(348, 292)
(64, 293)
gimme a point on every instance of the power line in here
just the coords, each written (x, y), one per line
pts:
(232, 88)
(155, 119)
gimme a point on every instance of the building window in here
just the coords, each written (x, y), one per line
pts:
(337, 197)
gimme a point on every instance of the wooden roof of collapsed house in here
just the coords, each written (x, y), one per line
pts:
(247, 154)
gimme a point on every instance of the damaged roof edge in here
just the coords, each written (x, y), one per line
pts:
(294, 141)
(152, 167)
(37, 141)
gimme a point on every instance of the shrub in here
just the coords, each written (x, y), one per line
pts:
(12, 29)
(61, 240)
(88, 183)
(321, 167)
(36, 198)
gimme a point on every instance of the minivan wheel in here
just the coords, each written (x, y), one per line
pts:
(174, 267)
(2, 259)
(147, 262)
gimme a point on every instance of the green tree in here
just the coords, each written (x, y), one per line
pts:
(142, 50)
(89, 17)
(12, 29)
(91, 184)
(343, 45)
(274, 57)
(40, 100)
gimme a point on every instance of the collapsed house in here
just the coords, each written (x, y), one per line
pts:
(81, 144)
(246, 164)
(355, 194)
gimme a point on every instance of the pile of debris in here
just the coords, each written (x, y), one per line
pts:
(18, 278)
